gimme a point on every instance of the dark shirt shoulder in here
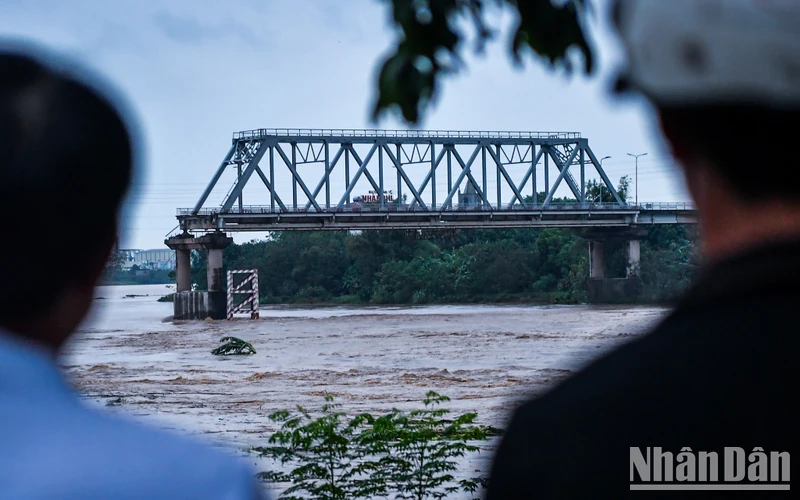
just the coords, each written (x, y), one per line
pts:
(718, 372)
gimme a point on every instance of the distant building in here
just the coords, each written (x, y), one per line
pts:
(157, 258)
(470, 197)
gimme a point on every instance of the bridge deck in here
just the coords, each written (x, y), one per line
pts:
(264, 218)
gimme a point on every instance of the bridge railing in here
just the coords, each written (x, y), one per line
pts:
(394, 207)
(666, 205)
(432, 134)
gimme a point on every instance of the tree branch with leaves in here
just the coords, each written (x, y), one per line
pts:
(431, 38)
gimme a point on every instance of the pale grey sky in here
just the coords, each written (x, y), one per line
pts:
(198, 70)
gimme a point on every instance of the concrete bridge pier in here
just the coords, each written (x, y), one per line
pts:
(199, 304)
(633, 258)
(602, 289)
(596, 267)
(183, 269)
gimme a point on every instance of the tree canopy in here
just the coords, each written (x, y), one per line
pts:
(431, 39)
(407, 267)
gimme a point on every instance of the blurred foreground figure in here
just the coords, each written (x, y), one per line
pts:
(66, 162)
(719, 374)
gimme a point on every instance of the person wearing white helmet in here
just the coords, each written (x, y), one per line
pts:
(704, 401)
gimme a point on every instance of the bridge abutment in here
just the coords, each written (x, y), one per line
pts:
(602, 289)
(199, 304)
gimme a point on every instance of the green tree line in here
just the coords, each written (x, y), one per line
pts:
(414, 267)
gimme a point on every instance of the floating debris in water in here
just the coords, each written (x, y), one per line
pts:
(233, 346)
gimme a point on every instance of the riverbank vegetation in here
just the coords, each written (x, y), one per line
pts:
(452, 266)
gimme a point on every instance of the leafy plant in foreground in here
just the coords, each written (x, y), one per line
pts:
(402, 455)
(422, 447)
(322, 451)
(233, 346)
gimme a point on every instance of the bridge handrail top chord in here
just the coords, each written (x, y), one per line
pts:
(552, 207)
(262, 133)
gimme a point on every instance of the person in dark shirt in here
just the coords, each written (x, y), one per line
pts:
(719, 373)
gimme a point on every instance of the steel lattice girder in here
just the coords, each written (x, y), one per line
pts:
(415, 161)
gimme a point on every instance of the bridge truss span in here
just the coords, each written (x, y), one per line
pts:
(283, 179)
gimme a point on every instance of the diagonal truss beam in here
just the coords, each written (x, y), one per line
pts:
(511, 184)
(214, 180)
(375, 185)
(561, 175)
(531, 173)
(241, 181)
(402, 173)
(605, 178)
(562, 167)
(429, 175)
(293, 170)
(362, 167)
(271, 188)
(465, 172)
(327, 175)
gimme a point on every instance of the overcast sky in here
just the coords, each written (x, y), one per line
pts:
(198, 70)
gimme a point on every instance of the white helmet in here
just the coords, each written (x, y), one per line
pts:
(696, 52)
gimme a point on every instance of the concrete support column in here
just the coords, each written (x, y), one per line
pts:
(214, 270)
(199, 304)
(596, 260)
(183, 269)
(633, 258)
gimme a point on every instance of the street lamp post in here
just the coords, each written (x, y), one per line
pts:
(636, 181)
(601, 186)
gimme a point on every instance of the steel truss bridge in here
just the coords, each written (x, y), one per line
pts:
(302, 179)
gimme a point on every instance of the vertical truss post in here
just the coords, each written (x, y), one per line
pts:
(434, 164)
(534, 161)
(347, 171)
(398, 166)
(499, 186)
(272, 178)
(380, 177)
(483, 161)
(327, 177)
(546, 171)
(239, 179)
(583, 178)
(449, 169)
(294, 179)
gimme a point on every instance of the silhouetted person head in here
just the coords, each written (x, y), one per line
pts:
(724, 78)
(66, 162)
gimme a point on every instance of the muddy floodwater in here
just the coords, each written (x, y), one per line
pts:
(131, 358)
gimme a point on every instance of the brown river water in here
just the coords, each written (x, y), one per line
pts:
(130, 357)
